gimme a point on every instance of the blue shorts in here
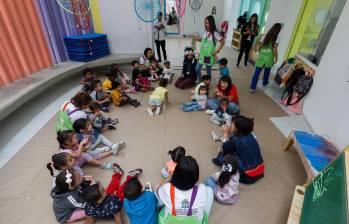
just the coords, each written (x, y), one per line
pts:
(155, 102)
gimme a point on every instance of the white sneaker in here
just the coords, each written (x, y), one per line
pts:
(252, 91)
(215, 136)
(117, 147)
(150, 112)
(148, 187)
(157, 111)
(236, 66)
(210, 112)
(105, 149)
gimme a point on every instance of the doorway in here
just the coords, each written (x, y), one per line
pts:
(171, 17)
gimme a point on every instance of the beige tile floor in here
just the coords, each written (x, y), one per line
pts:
(25, 183)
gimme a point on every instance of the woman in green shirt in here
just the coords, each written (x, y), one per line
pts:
(267, 57)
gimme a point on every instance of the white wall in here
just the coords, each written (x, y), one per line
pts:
(286, 12)
(126, 33)
(191, 26)
(327, 105)
(231, 14)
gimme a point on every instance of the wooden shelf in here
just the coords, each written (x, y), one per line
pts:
(235, 43)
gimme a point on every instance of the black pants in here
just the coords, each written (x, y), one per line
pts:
(246, 46)
(161, 43)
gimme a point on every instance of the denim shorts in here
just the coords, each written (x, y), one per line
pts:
(155, 102)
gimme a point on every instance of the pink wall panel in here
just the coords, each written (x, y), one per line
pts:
(22, 43)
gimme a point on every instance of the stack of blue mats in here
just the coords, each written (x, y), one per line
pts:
(86, 47)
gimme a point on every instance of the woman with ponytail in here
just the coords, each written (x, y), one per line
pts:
(225, 183)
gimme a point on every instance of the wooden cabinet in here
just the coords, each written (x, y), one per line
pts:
(235, 43)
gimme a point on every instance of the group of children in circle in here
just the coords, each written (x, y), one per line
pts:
(78, 196)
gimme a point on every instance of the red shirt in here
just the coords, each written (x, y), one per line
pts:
(233, 93)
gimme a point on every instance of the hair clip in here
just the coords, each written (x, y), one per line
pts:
(69, 179)
(227, 167)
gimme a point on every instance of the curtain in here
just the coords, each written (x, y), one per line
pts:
(58, 23)
(23, 49)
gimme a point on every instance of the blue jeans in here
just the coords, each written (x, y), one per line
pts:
(191, 106)
(213, 104)
(210, 182)
(256, 77)
(198, 71)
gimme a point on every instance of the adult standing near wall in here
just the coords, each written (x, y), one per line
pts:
(268, 55)
(249, 31)
(159, 36)
(209, 41)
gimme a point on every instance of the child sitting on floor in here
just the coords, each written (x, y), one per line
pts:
(107, 204)
(84, 130)
(122, 78)
(220, 116)
(68, 143)
(140, 83)
(60, 161)
(68, 204)
(200, 101)
(167, 72)
(157, 98)
(98, 120)
(86, 81)
(205, 81)
(175, 155)
(140, 206)
(98, 95)
(225, 183)
(155, 71)
(223, 69)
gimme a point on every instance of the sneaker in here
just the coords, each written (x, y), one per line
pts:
(105, 149)
(112, 121)
(148, 187)
(215, 136)
(252, 90)
(107, 166)
(236, 66)
(111, 126)
(135, 173)
(118, 169)
(117, 147)
(157, 111)
(246, 66)
(150, 112)
(210, 112)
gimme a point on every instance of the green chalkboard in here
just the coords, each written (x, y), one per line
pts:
(325, 198)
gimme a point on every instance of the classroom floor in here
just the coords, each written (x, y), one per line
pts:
(25, 182)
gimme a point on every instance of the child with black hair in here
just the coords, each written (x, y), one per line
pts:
(167, 73)
(61, 161)
(174, 155)
(140, 206)
(155, 70)
(98, 95)
(122, 78)
(225, 183)
(188, 77)
(140, 83)
(86, 81)
(223, 69)
(205, 81)
(84, 130)
(220, 115)
(107, 203)
(238, 140)
(68, 143)
(198, 103)
(157, 98)
(99, 121)
(68, 204)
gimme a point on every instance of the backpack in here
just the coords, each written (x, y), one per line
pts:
(292, 81)
(63, 120)
(300, 89)
(189, 219)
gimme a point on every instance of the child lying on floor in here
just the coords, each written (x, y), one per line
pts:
(68, 143)
(199, 102)
(107, 204)
(158, 98)
(84, 130)
(98, 119)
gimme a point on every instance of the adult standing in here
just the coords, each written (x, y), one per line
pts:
(225, 89)
(208, 51)
(159, 34)
(183, 197)
(145, 62)
(249, 31)
(268, 55)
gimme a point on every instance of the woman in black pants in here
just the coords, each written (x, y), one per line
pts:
(249, 31)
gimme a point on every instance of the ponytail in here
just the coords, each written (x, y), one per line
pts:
(229, 168)
(58, 161)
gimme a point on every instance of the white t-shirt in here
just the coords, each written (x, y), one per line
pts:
(160, 34)
(182, 200)
(144, 61)
(75, 115)
(208, 35)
